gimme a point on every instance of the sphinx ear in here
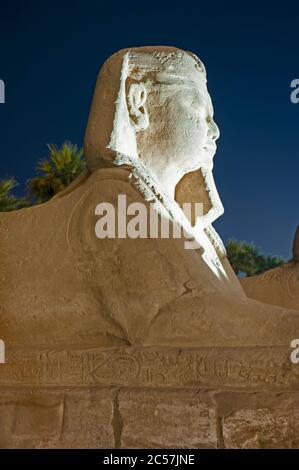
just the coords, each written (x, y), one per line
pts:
(136, 105)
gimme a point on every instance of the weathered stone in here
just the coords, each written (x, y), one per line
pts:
(56, 418)
(260, 420)
(167, 419)
(30, 418)
(88, 418)
(278, 286)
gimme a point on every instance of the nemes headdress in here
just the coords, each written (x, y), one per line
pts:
(108, 125)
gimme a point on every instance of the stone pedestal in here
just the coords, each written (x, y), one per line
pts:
(149, 398)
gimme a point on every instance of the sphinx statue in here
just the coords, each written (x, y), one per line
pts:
(151, 137)
(278, 286)
(113, 336)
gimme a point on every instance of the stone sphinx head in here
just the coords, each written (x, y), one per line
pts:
(151, 105)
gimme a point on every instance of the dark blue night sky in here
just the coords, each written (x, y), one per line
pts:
(50, 53)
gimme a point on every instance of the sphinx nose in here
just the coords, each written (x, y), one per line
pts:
(213, 132)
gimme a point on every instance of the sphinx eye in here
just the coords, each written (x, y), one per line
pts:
(194, 104)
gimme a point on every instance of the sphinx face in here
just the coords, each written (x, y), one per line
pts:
(182, 133)
(192, 132)
(172, 127)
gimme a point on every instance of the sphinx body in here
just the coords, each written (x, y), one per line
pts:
(278, 286)
(88, 292)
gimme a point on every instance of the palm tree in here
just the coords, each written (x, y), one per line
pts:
(56, 171)
(9, 201)
(246, 258)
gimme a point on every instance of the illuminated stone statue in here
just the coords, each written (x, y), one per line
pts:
(124, 341)
(151, 137)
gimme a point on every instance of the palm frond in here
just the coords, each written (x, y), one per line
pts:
(56, 171)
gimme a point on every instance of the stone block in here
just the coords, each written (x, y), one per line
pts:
(174, 418)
